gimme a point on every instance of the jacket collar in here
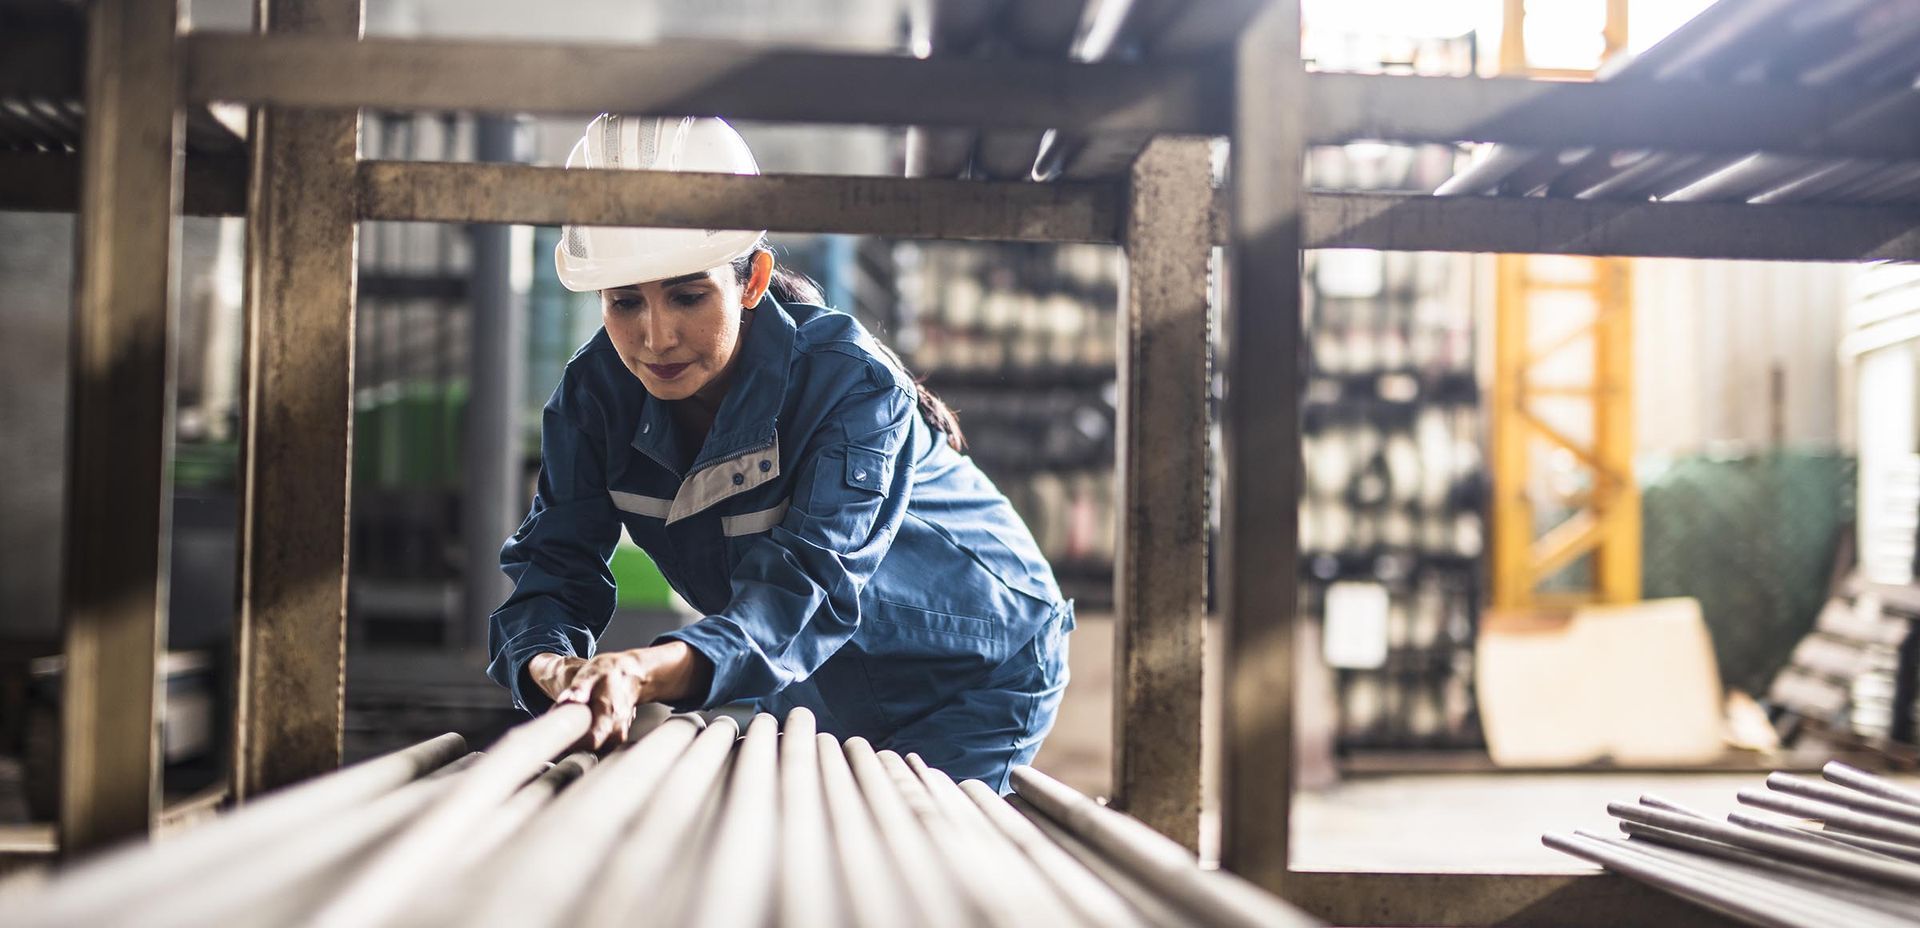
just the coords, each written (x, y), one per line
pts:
(749, 415)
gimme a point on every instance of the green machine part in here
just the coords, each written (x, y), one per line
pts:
(637, 579)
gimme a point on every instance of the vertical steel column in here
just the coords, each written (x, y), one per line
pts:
(119, 486)
(290, 641)
(1261, 446)
(1160, 574)
(496, 376)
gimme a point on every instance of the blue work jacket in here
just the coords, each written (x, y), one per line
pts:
(845, 557)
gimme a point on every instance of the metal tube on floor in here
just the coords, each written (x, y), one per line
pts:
(742, 866)
(1862, 823)
(1153, 908)
(1841, 796)
(1822, 906)
(650, 844)
(1216, 897)
(1878, 869)
(1613, 856)
(1096, 902)
(90, 892)
(1822, 838)
(382, 885)
(1849, 841)
(540, 871)
(517, 811)
(931, 888)
(874, 898)
(1796, 878)
(1024, 890)
(807, 893)
(1658, 802)
(1855, 778)
(955, 847)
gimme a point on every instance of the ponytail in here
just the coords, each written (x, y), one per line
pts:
(789, 286)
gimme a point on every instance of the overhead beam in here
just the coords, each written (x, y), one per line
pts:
(1675, 116)
(119, 491)
(741, 82)
(214, 185)
(890, 206)
(1534, 225)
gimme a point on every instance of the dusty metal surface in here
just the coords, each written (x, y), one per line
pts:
(1160, 572)
(118, 502)
(687, 78)
(297, 428)
(1490, 900)
(446, 192)
(1257, 574)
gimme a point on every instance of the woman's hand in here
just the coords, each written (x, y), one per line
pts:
(614, 683)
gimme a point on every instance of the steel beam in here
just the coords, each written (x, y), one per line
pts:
(213, 185)
(1257, 576)
(1533, 225)
(1676, 116)
(892, 206)
(119, 489)
(297, 428)
(701, 79)
(1162, 456)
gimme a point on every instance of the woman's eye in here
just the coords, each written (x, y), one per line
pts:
(690, 298)
(625, 304)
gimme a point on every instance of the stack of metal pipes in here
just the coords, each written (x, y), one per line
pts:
(1860, 867)
(692, 823)
(1867, 52)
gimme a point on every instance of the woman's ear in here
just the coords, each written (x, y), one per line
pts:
(757, 282)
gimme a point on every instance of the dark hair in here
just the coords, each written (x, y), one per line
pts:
(790, 286)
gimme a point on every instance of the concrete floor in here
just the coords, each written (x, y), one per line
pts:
(1415, 822)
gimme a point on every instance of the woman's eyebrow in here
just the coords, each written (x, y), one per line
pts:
(683, 279)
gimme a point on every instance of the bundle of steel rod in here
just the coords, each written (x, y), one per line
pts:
(694, 823)
(1861, 867)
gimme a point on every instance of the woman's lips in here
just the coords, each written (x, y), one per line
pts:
(667, 371)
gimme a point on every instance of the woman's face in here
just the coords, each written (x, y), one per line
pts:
(680, 334)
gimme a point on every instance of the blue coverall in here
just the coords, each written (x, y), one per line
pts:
(845, 557)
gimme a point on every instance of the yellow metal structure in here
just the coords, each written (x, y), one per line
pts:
(1566, 509)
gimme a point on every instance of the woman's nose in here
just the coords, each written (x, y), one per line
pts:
(658, 332)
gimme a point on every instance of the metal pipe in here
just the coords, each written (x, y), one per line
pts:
(1658, 802)
(1798, 878)
(651, 843)
(382, 885)
(875, 897)
(1855, 778)
(1215, 897)
(1097, 902)
(1713, 897)
(1822, 905)
(1021, 888)
(539, 871)
(937, 899)
(1155, 909)
(807, 892)
(1891, 873)
(1863, 823)
(1822, 838)
(517, 811)
(737, 885)
(958, 848)
(117, 881)
(1841, 796)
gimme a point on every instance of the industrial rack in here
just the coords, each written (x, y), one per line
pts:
(1230, 68)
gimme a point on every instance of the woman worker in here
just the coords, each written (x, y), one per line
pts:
(791, 482)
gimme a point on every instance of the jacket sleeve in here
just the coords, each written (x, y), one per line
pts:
(563, 590)
(796, 590)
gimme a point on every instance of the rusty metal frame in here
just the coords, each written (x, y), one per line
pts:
(119, 500)
(297, 433)
(1161, 461)
(1269, 220)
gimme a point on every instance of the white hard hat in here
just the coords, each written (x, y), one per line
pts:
(598, 257)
